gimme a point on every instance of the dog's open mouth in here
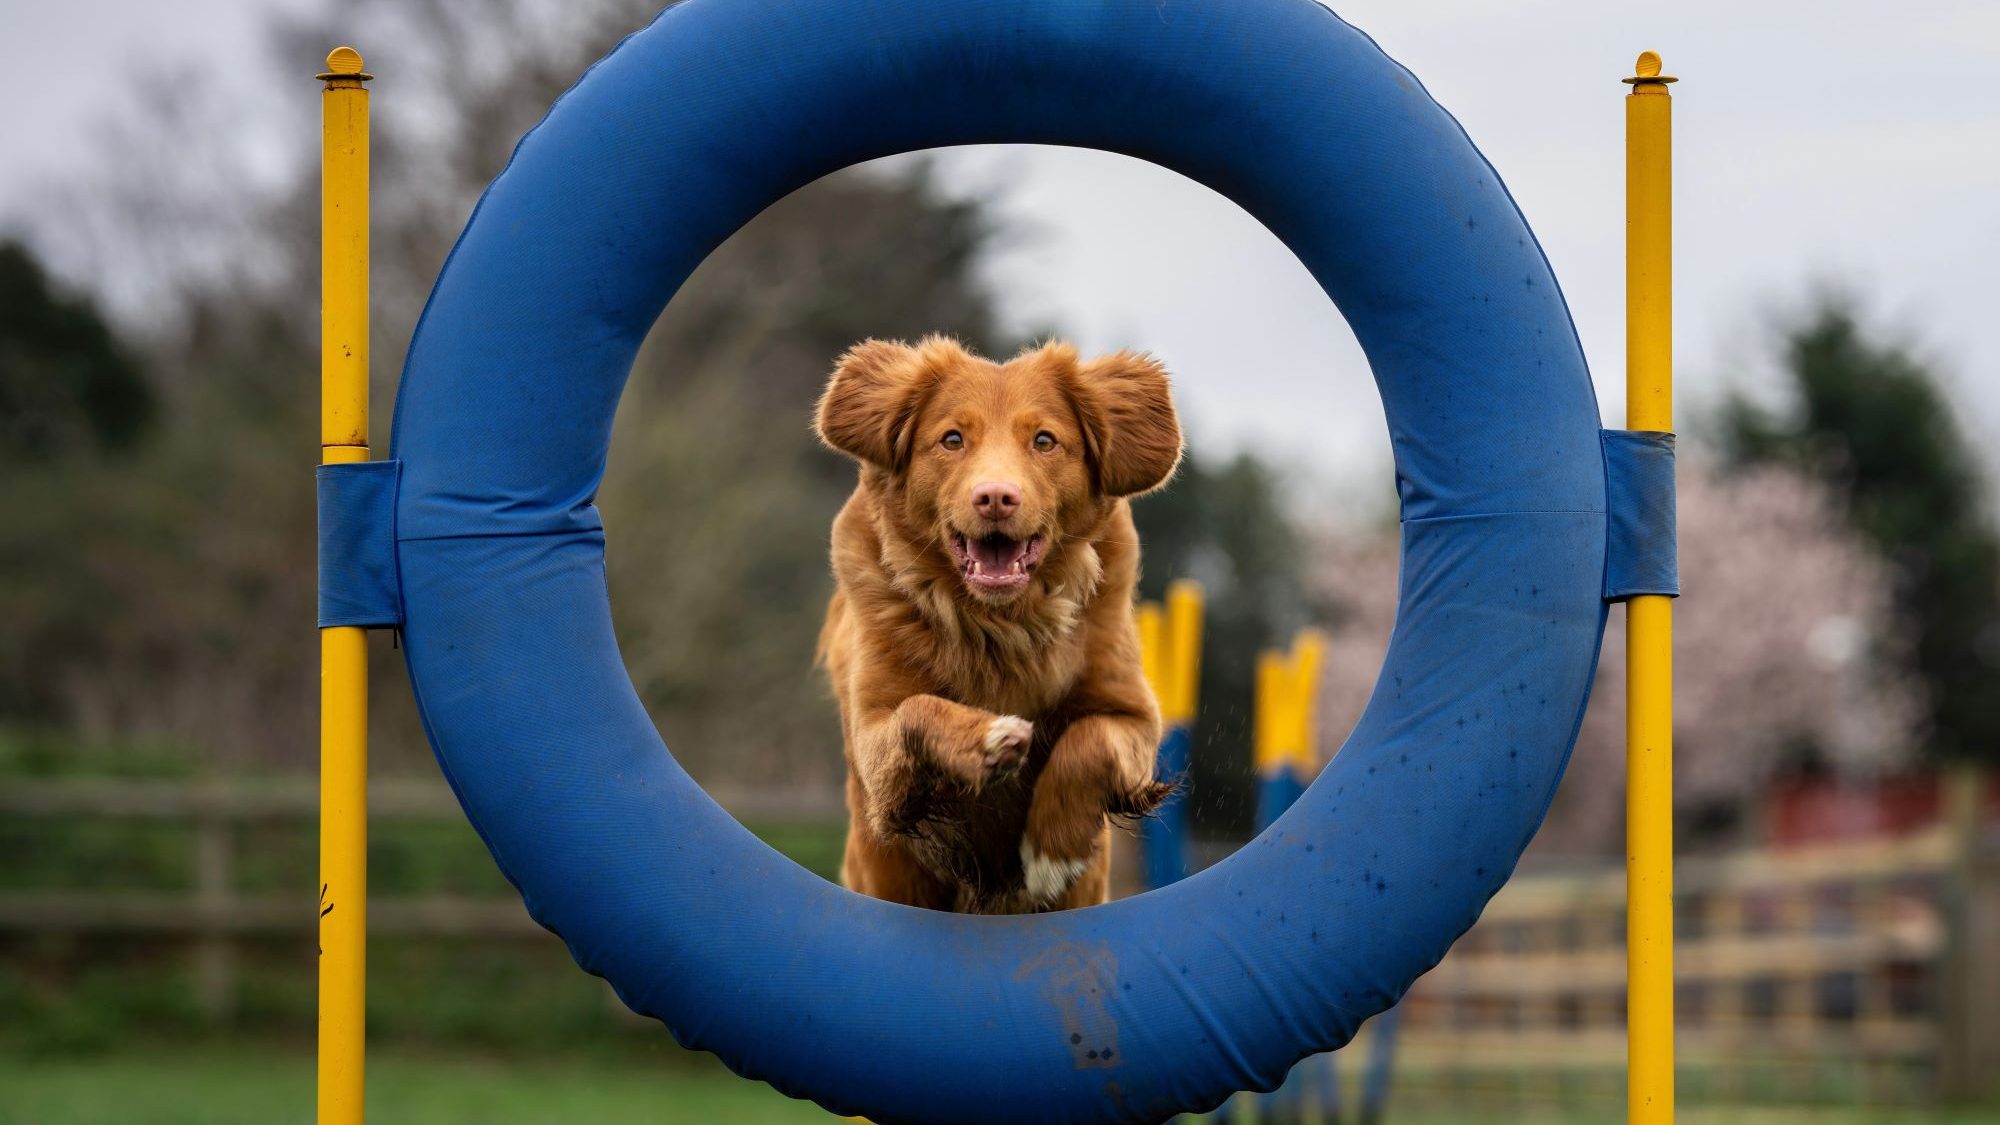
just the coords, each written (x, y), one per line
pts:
(996, 562)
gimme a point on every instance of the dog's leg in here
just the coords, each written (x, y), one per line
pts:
(1101, 764)
(899, 753)
(1094, 885)
(886, 869)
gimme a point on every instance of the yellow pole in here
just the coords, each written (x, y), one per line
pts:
(1183, 665)
(1308, 655)
(1151, 645)
(1266, 724)
(1649, 655)
(343, 659)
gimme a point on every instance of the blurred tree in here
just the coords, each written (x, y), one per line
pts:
(66, 381)
(1866, 417)
(1810, 669)
(170, 596)
(719, 500)
(1224, 524)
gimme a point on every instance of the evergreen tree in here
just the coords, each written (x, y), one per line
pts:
(1866, 416)
(66, 383)
(1224, 525)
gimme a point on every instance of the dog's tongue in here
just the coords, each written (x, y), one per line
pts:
(997, 553)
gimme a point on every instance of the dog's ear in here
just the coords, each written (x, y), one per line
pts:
(872, 399)
(1130, 431)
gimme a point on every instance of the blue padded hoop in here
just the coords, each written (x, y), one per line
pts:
(1125, 1012)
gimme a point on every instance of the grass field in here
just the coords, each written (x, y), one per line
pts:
(260, 1086)
(266, 1086)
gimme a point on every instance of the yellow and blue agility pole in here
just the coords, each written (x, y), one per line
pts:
(1170, 650)
(1649, 619)
(1282, 753)
(343, 661)
(1286, 741)
(1284, 724)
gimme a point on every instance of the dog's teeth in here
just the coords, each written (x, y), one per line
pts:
(1016, 568)
(977, 570)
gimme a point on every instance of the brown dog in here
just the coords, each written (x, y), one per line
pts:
(980, 639)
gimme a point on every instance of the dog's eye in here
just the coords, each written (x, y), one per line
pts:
(1045, 442)
(952, 440)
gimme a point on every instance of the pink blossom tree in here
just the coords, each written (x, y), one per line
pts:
(1788, 656)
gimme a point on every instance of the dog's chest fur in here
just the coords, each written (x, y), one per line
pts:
(974, 842)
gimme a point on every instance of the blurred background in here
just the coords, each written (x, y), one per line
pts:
(1839, 647)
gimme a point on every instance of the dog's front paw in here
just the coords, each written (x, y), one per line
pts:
(1006, 744)
(1047, 878)
(1064, 831)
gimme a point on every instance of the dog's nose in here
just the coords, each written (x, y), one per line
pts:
(996, 500)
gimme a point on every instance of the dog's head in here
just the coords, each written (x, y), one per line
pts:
(995, 465)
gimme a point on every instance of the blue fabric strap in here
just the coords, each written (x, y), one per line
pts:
(358, 583)
(1641, 556)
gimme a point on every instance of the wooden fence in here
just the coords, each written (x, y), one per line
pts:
(1873, 966)
(213, 916)
(1859, 971)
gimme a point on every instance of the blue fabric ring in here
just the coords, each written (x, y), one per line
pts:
(1127, 1012)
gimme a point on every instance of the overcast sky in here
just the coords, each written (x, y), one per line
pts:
(1816, 139)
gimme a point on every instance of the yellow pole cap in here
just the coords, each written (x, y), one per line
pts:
(344, 62)
(1646, 71)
